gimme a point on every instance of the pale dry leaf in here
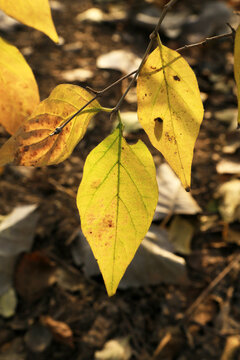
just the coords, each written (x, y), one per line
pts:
(173, 199)
(229, 195)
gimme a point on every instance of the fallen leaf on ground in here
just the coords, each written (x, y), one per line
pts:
(154, 263)
(16, 236)
(8, 303)
(60, 330)
(173, 199)
(180, 235)
(32, 144)
(18, 88)
(121, 60)
(114, 14)
(17, 230)
(7, 24)
(36, 14)
(233, 143)
(228, 166)
(229, 195)
(116, 349)
(228, 116)
(130, 122)
(209, 222)
(76, 75)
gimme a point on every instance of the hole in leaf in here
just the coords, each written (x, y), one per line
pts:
(176, 78)
(158, 128)
(160, 120)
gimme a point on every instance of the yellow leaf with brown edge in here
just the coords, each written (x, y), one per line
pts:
(33, 144)
(116, 201)
(170, 108)
(34, 13)
(237, 67)
(18, 88)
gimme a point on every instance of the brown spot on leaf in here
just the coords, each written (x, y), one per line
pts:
(25, 148)
(95, 184)
(169, 137)
(107, 221)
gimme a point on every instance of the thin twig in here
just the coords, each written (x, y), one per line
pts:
(59, 128)
(207, 40)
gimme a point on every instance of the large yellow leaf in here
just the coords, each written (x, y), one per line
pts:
(18, 88)
(237, 67)
(170, 108)
(34, 13)
(33, 145)
(116, 201)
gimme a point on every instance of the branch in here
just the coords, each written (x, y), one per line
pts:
(207, 40)
(137, 71)
(152, 37)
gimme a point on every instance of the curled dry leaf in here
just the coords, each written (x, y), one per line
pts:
(36, 14)
(170, 108)
(60, 330)
(18, 88)
(32, 144)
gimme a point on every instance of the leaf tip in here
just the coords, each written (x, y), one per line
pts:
(111, 288)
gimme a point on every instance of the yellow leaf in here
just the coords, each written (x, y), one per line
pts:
(237, 67)
(34, 13)
(170, 108)
(32, 144)
(116, 201)
(18, 88)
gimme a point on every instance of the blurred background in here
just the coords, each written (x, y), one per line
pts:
(180, 297)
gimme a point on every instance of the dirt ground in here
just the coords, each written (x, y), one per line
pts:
(162, 321)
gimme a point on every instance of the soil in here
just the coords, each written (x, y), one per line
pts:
(150, 315)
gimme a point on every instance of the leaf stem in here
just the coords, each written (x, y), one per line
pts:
(59, 128)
